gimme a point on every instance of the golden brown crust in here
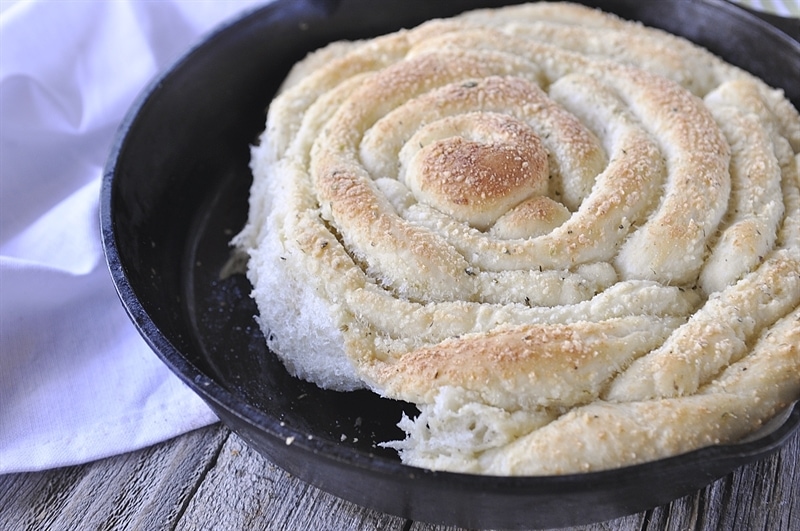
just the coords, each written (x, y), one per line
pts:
(525, 366)
(563, 235)
(475, 168)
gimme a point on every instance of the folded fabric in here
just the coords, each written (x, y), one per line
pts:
(783, 8)
(77, 382)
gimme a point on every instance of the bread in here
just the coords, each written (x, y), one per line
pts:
(571, 240)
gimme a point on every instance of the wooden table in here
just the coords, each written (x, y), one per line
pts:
(210, 480)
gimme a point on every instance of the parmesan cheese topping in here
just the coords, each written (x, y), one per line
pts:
(573, 241)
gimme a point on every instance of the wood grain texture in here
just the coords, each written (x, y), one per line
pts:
(148, 489)
(245, 491)
(211, 480)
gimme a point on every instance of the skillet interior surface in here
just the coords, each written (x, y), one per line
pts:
(175, 191)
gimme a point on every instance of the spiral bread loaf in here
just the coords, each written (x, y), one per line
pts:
(571, 240)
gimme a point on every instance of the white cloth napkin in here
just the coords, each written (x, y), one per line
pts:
(77, 382)
(784, 8)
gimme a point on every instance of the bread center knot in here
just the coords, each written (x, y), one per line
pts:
(476, 166)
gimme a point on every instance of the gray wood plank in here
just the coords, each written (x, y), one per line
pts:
(142, 490)
(245, 491)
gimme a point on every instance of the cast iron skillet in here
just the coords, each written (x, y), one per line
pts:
(175, 191)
